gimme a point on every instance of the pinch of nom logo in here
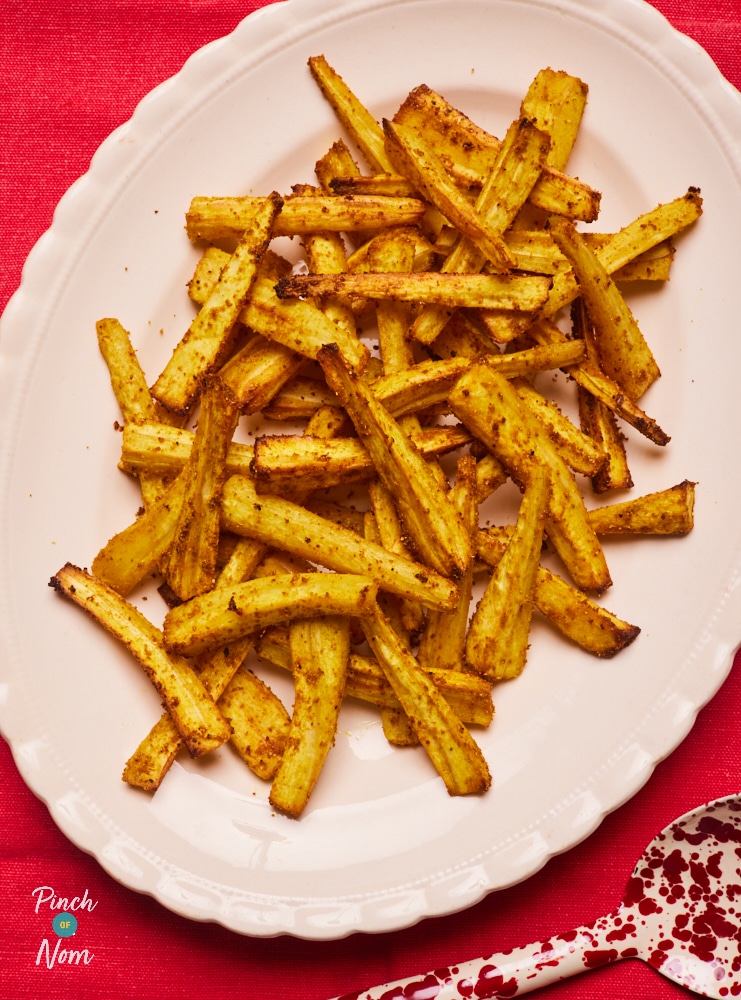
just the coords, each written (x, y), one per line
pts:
(64, 925)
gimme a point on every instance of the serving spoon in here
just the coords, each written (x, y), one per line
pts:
(681, 913)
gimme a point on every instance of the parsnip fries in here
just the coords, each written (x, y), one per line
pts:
(444, 277)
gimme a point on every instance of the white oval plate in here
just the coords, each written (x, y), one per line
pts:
(381, 845)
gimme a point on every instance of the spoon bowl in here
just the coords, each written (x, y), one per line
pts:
(682, 906)
(681, 913)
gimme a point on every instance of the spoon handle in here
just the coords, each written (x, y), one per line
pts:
(507, 974)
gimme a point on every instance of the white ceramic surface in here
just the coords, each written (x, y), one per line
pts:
(381, 845)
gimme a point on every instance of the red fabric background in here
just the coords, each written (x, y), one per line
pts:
(103, 57)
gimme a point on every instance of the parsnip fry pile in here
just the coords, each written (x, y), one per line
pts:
(443, 271)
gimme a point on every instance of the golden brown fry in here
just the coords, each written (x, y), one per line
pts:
(393, 251)
(325, 254)
(213, 261)
(594, 628)
(261, 367)
(490, 475)
(425, 384)
(580, 451)
(295, 529)
(156, 447)
(259, 721)
(390, 604)
(206, 273)
(337, 513)
(556, 101)
(361, 260)
(666, 512)
(467, 694)
(202, 346)
(131, 391)
(442, 644)
(462, 337)
(596, 418)
(650, 229)
(622, 349)
(258, 371)
(152, 759)
(299, 399)
(589, 377)
(296, 461)
(351, 214)
(534, 250)
(135, 551)
(328, 422)
(397, 728)
(486, 291)
(391, 537)
(469, 152)
(498, 637)
(190, 564)
(127, 378)
(603, 388)
(299, 325)
(228, 613)
(192, 708)
(519, 163)
(514, 172)
(337, 162)
(356, 119)
(600, 423)
(504, 326)
(653, 264)
(453, 752)
(429, 382)
(640, 235)
(643, 233)
(415, 159)
(154, 756)
(580, 619)
(491, 409)
(212, 219)
(432, 522)
(319, 652)
(388, 185)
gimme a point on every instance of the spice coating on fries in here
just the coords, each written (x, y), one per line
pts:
(447, 278)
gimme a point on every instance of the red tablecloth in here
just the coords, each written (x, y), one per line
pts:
(70, 74)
